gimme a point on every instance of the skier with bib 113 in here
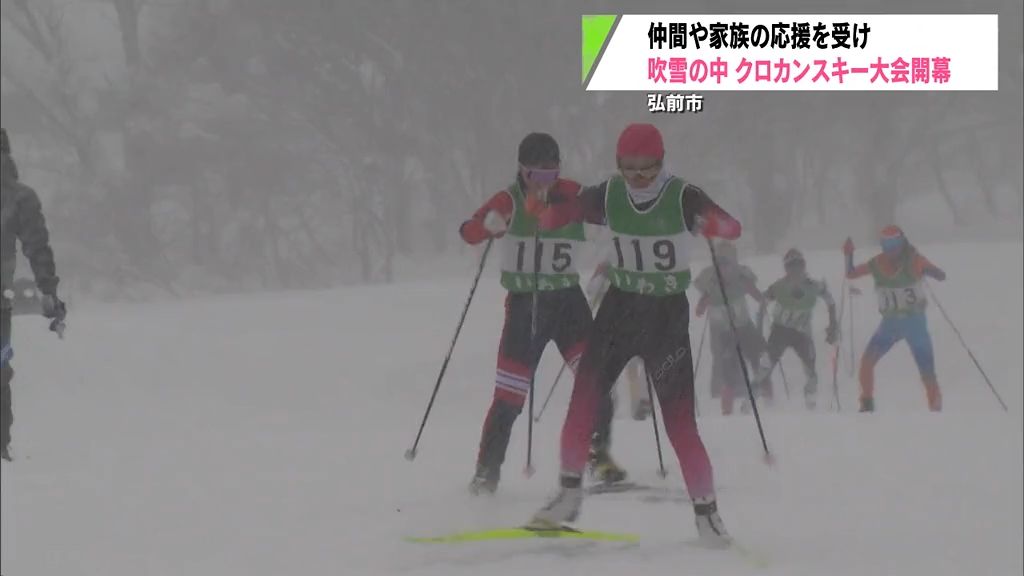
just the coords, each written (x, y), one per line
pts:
(795, 295)
(651, 215)
(899, 273)
(563, 315)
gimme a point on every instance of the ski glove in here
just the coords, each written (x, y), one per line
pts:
(495, 223)
(53, 308)
(832, 334)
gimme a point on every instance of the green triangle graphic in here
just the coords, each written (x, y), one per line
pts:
(595, 35)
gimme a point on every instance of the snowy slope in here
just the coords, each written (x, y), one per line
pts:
(264, 435)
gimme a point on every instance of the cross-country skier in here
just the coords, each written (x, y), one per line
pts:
(650, 213)
(726, 372)
(21, 219)
(639, 400)
(602, 466)
(563, 315)
(899, 272)
(795, 295)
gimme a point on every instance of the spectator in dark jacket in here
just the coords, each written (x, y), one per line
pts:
(21, 219)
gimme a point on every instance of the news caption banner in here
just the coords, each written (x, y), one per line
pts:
(667, 55)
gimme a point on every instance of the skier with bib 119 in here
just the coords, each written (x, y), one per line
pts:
(899, 273)
(650, 214)
(795, 295)
(639, 401)
(726, 372)
(563, 314)
(602, 468)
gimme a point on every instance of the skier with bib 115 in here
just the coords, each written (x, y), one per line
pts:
(795, 295)
(651, 215)
(899, 273)
(563, 315)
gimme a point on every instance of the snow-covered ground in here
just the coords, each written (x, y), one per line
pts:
(264, 435)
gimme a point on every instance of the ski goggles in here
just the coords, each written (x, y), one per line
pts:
(646, 172)
(540, 175)
(893, 244)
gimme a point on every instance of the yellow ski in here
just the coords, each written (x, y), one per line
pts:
(523, 532)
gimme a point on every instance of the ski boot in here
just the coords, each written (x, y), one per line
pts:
(810, 401)
(484, 481)
(604, 469)
(710, 528)
(934, 395)
(867, 404)
(562, 508)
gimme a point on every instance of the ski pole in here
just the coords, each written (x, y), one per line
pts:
(654, 422)
(696, 367)
(410, 454)
(771, 372)
(700, 348)
(835, 352)
(551, 392)
(785, 381)
(852, 368)
(970, 353)
(537, 248)
(739, 351)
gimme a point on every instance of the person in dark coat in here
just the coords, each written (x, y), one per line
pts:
(21, 219)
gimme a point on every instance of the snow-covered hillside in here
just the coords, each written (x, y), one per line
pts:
(264, 435)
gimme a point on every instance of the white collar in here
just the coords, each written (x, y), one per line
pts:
(651, 191)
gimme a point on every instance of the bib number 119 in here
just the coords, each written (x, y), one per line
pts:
(664, 252)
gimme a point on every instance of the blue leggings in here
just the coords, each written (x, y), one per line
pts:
(914, 329)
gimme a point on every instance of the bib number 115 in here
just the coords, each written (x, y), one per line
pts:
(561, 256)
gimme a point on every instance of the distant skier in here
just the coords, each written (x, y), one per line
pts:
(795, 295)
(21, 219)
(651, 215)
(563, 313)
(899, 272)
(726, 372)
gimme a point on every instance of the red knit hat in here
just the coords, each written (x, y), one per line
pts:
(640, 140)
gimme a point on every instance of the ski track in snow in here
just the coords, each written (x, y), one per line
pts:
(264, 435)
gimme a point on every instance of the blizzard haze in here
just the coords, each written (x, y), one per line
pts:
(196, 146)
(254, 207)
